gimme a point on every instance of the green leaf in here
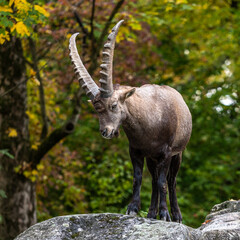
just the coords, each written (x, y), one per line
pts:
(5, 152)
(2, 194)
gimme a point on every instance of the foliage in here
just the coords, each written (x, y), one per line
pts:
(18, 18)
(200, 60)
(188, 44)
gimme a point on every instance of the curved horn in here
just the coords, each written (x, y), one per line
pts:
(85, 80)
(107, 61)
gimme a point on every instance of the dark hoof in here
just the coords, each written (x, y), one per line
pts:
(132, 209)
(164, 215)
(152, 214)
(177, 217)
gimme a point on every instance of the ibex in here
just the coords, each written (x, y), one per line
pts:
(156, 120)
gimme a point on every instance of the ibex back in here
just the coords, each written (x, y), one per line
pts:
(156, 120)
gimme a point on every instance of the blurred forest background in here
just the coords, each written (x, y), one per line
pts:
(50, 146)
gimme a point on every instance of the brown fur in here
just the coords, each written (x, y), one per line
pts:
(158, 125)
(156, 120)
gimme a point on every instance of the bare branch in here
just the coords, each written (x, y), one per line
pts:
(99, 44)
(58, 134)
(91, 21)
(74, 10)
(41, 89)
(12, 89)
(84, 30)
(43, 53)
(79, 3)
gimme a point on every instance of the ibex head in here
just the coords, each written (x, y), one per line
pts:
(107, 100)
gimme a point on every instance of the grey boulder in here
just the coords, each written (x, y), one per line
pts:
(222, 223)
(106, 226)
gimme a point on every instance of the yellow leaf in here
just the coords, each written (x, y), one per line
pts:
(22, 5)
(12, 132)
(34, 172)
(4, 37)
(5, 9)
(32, 72)
(27, 173)
(57, 109)
(169, 8)
(14, 1)
(17, 168)
(21, 29)
(136, 25)
(181, 1)
(41, 10)
(31, 116)
(11, 3)
(33, 178)
(34, 146)
(40, 167)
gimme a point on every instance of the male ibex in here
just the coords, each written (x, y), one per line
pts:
(155, 119)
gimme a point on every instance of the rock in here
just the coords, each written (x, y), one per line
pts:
(225, 207)
(222, 223)
(106, 226)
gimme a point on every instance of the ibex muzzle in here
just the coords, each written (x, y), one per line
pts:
(156, 120)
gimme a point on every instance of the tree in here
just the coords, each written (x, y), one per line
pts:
(18, 207)
(21, 56)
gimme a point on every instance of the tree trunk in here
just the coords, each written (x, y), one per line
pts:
(18, 209)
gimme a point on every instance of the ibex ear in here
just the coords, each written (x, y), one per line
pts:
(127, 93)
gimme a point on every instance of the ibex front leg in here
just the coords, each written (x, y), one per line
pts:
(137, 162)
(153, 209)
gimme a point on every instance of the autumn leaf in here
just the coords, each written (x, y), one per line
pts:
(41, 10)
(40, 167)
(5, 9)
(4, 37)
(207, 221)
(21, 29)
(34, 172)
(11, 2)
(181, 1)
(32, 72)
(33, 77)
(22, 6)
(12, 132)
(34, 146)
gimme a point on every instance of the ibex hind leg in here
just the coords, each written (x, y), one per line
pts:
(153, 209)
(171, 178)
(163, 168)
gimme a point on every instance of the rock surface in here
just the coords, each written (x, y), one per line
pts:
(222, 223)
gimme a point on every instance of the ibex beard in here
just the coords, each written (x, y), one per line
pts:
(157, 123)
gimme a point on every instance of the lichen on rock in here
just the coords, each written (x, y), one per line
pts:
(223, 222)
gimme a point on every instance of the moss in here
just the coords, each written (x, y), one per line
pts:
(74, 235)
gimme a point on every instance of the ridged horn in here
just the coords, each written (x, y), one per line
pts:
(106, 88)
(85, 80)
